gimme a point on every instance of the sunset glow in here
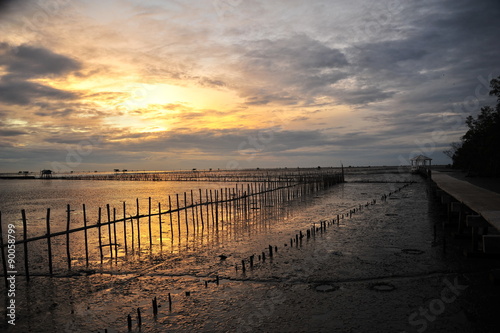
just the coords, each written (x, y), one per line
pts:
(327, 81)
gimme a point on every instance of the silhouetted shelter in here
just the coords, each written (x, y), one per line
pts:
(420, 162)
(46, 173)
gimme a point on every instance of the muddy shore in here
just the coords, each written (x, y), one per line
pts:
(385, 269)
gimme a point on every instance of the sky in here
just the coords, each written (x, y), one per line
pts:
(233, 84)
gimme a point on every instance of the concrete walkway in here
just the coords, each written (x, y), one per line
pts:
(484, 202)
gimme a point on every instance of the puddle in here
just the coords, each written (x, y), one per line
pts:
(382, 286)
(325, 288)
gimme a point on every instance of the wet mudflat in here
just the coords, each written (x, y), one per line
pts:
(381, 270)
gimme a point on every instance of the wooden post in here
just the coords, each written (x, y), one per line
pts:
(201, 211)
(68, 220)
(178, 216)
(2, 250)
(99, 234)
(139, 319)
(25, 244)
(227, 201)
(138, 226)
(186, 213)
(169, 303)
(84, 234)
(125, 228)
(109, 232)
(212, 207)
(133, 234)
(49, 246)
(192, 210)
(155, 307)
(207, 204)
(217, 210)
(170, 213)
(129, 322)
(114, 234)
(149, 224)
(159, 222)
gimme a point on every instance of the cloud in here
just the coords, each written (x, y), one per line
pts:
(285, 70)
(24, 63)
(20, 92)
(9, 132)
(386, 72)
(28, 62)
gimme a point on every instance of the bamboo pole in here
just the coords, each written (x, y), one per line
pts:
(217, 210)
(125, 229)
(192, 211)
(159, 224)
(114, 234)
(25, 232)
(186, 213)
(84, 234)
(149, 224)
(178, 216)
(138, 226)
(133, 234)
(212, 208)
(49, 245)
(68, 220)
(109, 232)
(207, 204)
(100, 234)
(201, 211)
(171, 222)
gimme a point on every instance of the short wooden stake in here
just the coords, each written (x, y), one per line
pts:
(139, 320)
(155, 307)
(129, 322)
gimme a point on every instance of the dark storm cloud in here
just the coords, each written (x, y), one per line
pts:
(19, 92)
(9, 132)
(24, 63)
(455, 37)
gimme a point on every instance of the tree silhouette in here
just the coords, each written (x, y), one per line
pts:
(480, 149)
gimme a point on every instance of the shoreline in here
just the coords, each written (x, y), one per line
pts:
(327, 284)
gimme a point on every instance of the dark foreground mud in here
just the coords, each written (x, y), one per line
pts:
(385, 269)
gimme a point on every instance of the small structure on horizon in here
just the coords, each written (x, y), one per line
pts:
(420, 163)
(46, 174)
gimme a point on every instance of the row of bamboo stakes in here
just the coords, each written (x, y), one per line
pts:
(264, 175)
(272, 250)
(213, 210)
